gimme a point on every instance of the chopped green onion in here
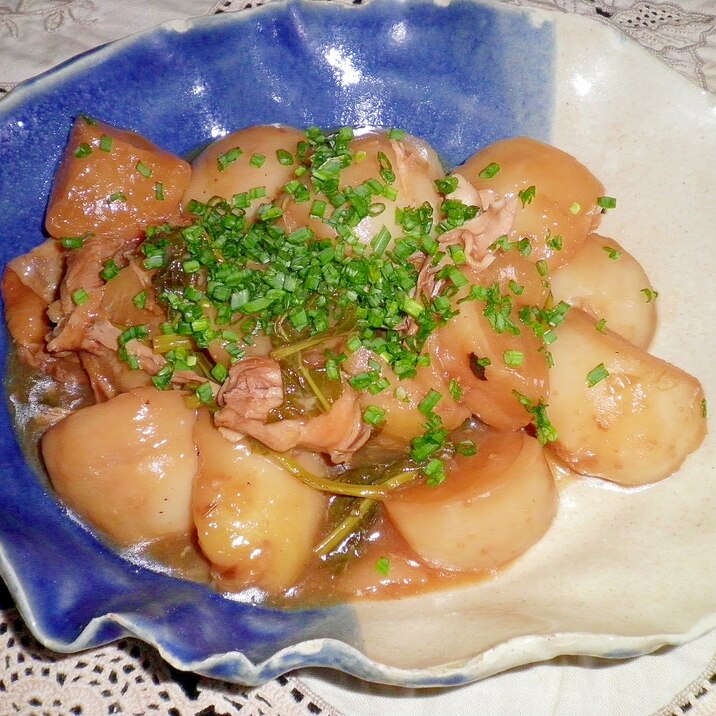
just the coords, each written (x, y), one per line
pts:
(105, 143)
(546, 432)
(491, 170)
(455, 389)
(257, 160)
(503, 243)
(515, 287)
(159, 191)
(601, 325)
(478, 365)
(382, 566)
(575, 208)
(447, 185)
(613, 253)
(596, 375)
(140, 300)
(227, 158)
(386, 168)
(204, 393)
(606, 202)
(412, 307)
(318, 209)
(513, 359)
(152, 262)
(426, 405)
(75, 242)
(118, 196)
(132, 333)
(381, 241)
(650, 294)
(555, 242)
(219, 373)
(83, 150)
(466, 448)
(80, 296)
(527, 195)
(524, 246)
(144, 169)
(373, 415)
(435, 472)
(109, 271)
(284, 157)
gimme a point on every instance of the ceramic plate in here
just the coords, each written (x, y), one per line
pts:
(621, 572)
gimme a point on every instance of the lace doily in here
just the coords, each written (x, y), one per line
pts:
(681, 34)
(128, 677)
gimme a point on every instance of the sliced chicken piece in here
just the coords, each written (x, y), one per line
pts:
(255, 387)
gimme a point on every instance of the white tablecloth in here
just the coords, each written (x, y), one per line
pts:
(130, 678)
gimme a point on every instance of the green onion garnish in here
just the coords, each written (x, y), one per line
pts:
(513, 359)
(284, 157)
(373, 415)
(109, 271)
(606, 202)
(527, 195)
(227, 158)
(80, 296)
(140, 299)
(596, 375)
(435, 472)
(83, 150)
(382, 566)
(143, 169)
(491, 170)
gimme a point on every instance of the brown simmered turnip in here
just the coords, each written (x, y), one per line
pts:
(228, 166)
(127, 465)
(559, 195)
(491, 507)
(607, 282)
(620, 413)
(115, 182)
(256, 523)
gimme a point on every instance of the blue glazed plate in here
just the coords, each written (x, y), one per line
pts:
(621, 572)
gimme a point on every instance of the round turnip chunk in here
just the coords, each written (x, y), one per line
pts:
(634, 426)
(491, 507)
(127, 465)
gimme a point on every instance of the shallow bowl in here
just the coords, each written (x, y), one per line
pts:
(622, 571)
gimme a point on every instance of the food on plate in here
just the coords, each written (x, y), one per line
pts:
(635, 417)
(492, 507)
(613, 291)
(313, 365)
(134, 480)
